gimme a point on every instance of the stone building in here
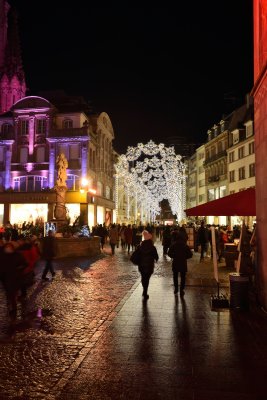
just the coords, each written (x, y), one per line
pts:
(32, 134)
(260, 123)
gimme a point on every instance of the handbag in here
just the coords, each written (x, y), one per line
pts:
(136, 256)
(188, 253)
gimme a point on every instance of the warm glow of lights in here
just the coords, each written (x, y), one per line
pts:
(85, 182)
(149, 180)
(28, 212)
(93, 191)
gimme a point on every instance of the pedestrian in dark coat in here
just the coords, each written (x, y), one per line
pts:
(12, 266)
(48, 254)
(148, 255)
(179, 252)
(202, 239)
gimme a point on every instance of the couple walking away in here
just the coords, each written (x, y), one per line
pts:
(147, 254)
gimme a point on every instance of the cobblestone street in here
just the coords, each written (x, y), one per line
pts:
(88, 335)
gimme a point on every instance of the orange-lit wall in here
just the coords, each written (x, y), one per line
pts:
(260, 120)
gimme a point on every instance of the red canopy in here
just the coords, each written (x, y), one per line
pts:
(241, 203)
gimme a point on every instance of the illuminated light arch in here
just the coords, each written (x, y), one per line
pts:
(147, 174)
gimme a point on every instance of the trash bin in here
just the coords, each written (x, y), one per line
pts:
(239, 291)
(230, 255)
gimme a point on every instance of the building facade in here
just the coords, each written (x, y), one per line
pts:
(32, 134)
(259, 93)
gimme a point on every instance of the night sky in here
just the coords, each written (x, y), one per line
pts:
(157, 71)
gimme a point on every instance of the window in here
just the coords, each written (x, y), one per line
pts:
(232, 156)
(30, 183)
(201, 169)
(251, 149)
(232, 176)
(201, 183)
(73, 182)
(40, 154)
(41, 126)
(251, 170)
(201, 198)
(63, 149)
(241, 173)
(74, 151)
(211, 194)
(99, 188)
(107, 192)
(23, 128)
(235, 137)
(241, 152)
(6, 129)
(222, 191)
(23, 155)
(67, 124)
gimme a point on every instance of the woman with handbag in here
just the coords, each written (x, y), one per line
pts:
(148, 255)
(179, 252)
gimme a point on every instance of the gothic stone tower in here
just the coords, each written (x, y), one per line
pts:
(12, 80)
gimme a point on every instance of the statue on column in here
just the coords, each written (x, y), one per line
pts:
(61, 188)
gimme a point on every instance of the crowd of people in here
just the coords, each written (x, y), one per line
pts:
(19, 253)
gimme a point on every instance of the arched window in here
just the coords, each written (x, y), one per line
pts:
(67, 124)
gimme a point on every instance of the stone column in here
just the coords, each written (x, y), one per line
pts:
(8, 166)
(31, 137)
(52, 162)
(84, 166)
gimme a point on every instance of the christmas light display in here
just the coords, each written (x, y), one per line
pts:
(146, 175)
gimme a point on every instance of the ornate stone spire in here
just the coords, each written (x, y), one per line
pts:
(12, 79)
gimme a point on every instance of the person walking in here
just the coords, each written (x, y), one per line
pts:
(202, 240)
(12, 268)
(49, 253)
(148, 256)
(179, 251)
(128, 234)
(166, 239)
(113, 238)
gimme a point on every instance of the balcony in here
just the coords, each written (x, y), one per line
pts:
(214, 178)
(216, 157)
(34, 166)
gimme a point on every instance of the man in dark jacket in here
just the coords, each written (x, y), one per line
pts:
(48, 253)
(202, 239)
(148, 256)
(179, 252)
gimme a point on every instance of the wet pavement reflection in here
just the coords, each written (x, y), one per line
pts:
(88, 334)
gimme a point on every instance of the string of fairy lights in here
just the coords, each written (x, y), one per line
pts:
(146, 175)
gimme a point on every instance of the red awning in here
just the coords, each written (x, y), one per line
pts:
(241, 203)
